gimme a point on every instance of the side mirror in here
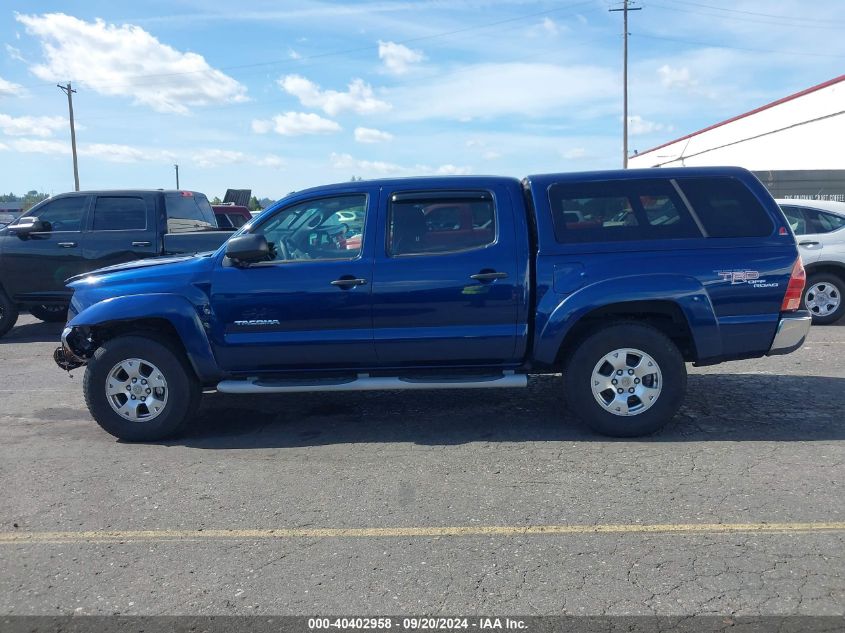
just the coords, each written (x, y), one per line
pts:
(248, 248)
(27, 225)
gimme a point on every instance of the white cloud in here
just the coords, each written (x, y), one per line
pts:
(262, 126)
(398, 58)
(638, 125)
(359, 97)
(218, 157)
(117, 153)
(371, 135)
(109, 152)
(126, 60)
(346, 161)
(448, 170)
(574, 153)
(381, 168)
(483, 147)
(534, 90)
(676, 77)
(39, 146)
(41, 126)
(10, 89)
(270, 160)
(293, 54)
(15, 53)
(550, 26)
(295, 124)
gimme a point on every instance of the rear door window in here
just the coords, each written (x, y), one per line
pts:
(439, 222)
(614, 211)
(726, 207)
(120, 213)
(188, 211)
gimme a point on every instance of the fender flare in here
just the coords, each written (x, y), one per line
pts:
(685, 292)
(175, 309)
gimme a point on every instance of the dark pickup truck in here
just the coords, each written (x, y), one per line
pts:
(614, 279)
(74, 233)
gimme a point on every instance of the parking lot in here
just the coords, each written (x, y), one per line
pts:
(411, 503)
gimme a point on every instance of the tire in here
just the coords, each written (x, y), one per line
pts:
(8, 313)
(831, 289)
(172, 384)
(641, 344)
(49, 313)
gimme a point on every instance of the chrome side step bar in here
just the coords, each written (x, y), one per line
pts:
(365, 382)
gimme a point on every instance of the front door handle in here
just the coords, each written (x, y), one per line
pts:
(142, 243)
(67, 244)
(491, 276)
(348, 282)
(808, 243)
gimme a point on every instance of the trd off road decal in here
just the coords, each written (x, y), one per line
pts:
(750, 277)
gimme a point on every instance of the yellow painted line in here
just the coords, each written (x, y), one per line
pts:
(21, 537)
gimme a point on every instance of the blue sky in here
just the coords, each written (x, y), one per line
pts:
(277, 96)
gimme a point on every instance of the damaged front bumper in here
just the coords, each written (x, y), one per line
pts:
(74, 350)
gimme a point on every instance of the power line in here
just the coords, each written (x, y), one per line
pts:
(791, 18)
(790, 23)
(738, 48)
(535, 53)
(750, 138)
(130, 79)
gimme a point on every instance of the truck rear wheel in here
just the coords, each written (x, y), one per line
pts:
(138, 389)
(8, 313)
(50, 313)
(626, 380)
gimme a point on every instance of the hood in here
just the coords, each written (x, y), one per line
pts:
(138, 263)
(183, 275)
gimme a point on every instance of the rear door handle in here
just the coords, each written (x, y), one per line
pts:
(488, 276)
(142, 243)
(808, 243)
(67, 244)
(348, 283)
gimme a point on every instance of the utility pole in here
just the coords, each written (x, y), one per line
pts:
(69, 91)
(626, 6)
(177, 175)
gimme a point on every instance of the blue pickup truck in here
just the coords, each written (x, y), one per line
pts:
(615, 279)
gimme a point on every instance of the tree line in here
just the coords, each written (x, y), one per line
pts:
(29, 199)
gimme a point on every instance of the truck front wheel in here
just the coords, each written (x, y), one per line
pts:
(626, 380)
(139, 390)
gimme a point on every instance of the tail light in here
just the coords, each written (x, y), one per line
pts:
(792, 299)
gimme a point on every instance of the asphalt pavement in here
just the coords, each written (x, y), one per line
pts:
(464, 502)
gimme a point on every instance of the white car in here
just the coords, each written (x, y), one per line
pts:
(819, 227)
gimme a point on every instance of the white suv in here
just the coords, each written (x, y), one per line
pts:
(819, 226)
